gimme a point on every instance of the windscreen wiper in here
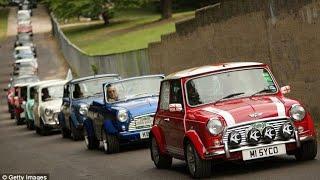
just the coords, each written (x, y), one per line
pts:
(229, 96)
(262, 91)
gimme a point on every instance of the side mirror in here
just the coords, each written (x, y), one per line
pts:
(6, 89)
(175, 108)
(285, 90)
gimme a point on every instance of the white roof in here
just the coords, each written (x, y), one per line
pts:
(25, 60)
(44, 82)
(210, 68)
(22, 47)
(55, 83)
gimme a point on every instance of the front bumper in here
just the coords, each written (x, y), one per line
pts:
(132, 137)
(224, 152)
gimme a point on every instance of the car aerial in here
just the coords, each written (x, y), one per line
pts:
(47, 103)
(25, 28)
(78, 95)
(24, 17)
(31, 89)
(24, 52)
(12, 90)
(229, 111)
(124, 114)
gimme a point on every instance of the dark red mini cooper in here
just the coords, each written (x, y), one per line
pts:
(230, 111)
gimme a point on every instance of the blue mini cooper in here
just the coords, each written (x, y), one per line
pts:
(124, 115)
(78, 95)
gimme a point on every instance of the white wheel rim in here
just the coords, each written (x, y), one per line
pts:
(155, 152)
(86, 138)
(191, 159)
(105, 143)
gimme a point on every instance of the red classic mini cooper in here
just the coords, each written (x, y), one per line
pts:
(228, 111)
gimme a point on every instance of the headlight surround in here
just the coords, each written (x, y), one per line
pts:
(122, 115)
(215, 126)
(297, 112)
(48, 112)
(55, 117)
(83, 110)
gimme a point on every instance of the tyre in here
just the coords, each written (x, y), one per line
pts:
(110, 143)
(307, 151)
(198, 168)
(65, 132)
(75, 133)
(160, 161)
(38, 130)
(91, 142)
(12, 115)
(18, 121)
(43, 130)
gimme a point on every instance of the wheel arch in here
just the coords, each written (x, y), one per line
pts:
(192, 137)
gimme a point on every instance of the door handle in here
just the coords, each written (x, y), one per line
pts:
(166, 119)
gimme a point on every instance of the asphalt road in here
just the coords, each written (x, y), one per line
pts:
(23, 151)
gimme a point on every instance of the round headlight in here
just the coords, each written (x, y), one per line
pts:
(215, 126)
(48, 112)
(83, 110)
(122, 115)
(297, 112)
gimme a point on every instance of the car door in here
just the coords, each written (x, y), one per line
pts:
(66, 104)
(36, 109)
(171, 123)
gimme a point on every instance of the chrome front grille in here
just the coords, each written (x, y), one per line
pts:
(242, 129)
(141, 122)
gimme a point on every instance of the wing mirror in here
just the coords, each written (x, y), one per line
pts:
(175, 108)
(285, 90)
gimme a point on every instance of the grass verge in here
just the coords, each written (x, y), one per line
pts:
(3, 23)
(129, 30)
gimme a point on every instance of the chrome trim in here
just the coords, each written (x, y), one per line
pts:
(259, 120)
(226, 150)
(242, 128)
(132, 125)
(296, 136)
(307, 138)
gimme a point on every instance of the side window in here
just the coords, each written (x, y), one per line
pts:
(66, 91)
(164, 96)
(176, 92)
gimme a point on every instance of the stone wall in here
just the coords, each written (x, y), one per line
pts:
(282, 33)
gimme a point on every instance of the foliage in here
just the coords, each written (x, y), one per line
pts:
(95, 69)
(4, 2)
(88, 8)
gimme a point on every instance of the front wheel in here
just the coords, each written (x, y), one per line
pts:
(91, 142)
(160, 161)
(307, 151)
(198, 168)
(76, 134)
(65, 132)
(110, 143)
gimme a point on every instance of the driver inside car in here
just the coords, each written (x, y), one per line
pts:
(45, 94)
(112, 95)
(77, 91)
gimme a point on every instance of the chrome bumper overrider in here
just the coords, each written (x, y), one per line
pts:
(227, 151)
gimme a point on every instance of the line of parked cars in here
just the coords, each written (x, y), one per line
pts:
(228, 111)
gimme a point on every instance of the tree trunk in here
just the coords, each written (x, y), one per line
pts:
(166, 8)
(106, 18)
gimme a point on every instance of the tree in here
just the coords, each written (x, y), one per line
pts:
(4, 3)
(166, 9)
(88, 8)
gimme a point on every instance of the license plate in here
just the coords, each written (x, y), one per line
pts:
(262, 152)
(144, 134)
